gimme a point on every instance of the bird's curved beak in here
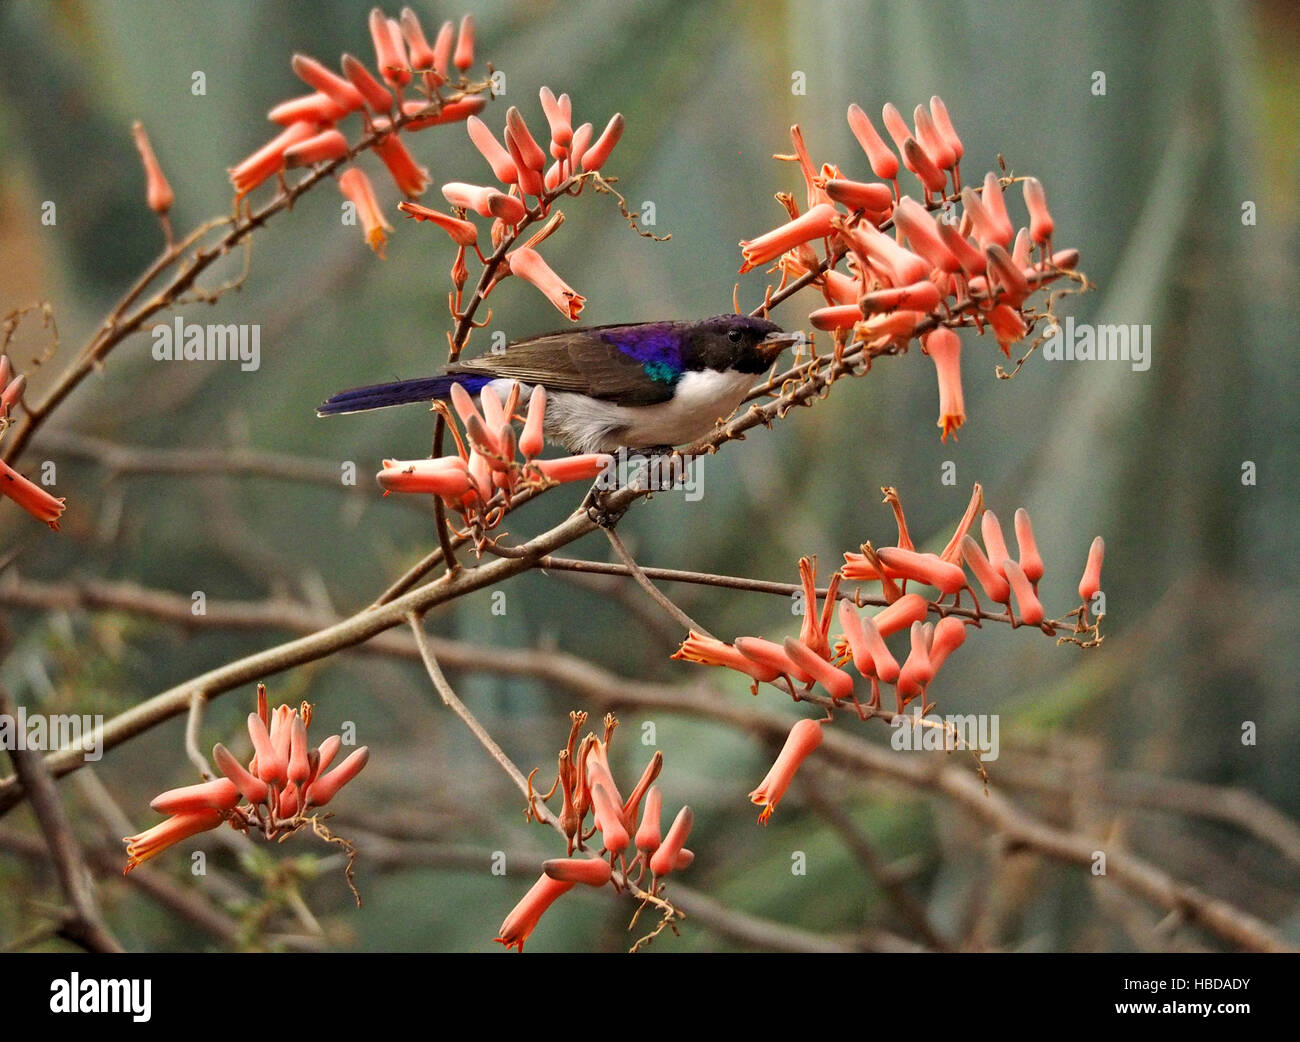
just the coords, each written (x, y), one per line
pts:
(771, 347)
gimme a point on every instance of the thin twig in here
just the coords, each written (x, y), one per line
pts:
(193, 724)
(656, 594)
(83, 924)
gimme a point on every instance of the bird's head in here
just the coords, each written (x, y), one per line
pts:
(748, 345)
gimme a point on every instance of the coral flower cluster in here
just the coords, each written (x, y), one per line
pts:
(813, 659)
(530, 179)
(23, 491)
(285, 780)
(407, 62)
(937, 270)
(630, 830)
(491, 458)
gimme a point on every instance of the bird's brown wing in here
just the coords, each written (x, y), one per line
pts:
(582, 361)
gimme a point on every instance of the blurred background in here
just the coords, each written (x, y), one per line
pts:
(1147, 180)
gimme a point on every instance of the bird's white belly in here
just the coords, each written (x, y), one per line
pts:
(702, 398)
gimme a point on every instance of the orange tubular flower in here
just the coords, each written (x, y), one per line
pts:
(647, 834)
(942, 123)
(390, 50)
(522, 920)
(29, 495)
(1031, 611)
(930, 569)
(464, 57)
(916, 160)
(952, 552)
(900, 265)
(609, 817)
(895, 124)
(586, 467)
(378, 97)
(990, 580)
(972, 261)
(804, 737)
(299, 762)
(560, 123)
(709, 651)
(855, 636)
(909, 608)
(152, 842)
(411, 178)
(442, 49)
(836, 682)
(771, 656)
(446, 476)
(1041, 224)
(581, 141)
(529, 150)
(815, 630)
(1090, 584)
(944, 347)
(991, 529)
(838, 316)
(328, 145)
(488, 202)
(815, 224)
(668, 856)
(1009, 274)
(503, 167)
(272, 765)
(357, 189)
(884, 164)
(158, 193)
(874, 653)
(1004, 230)
(533, 437)
(594, 157)
(916, 296)
(420, 51)
(451, 112)
(251, 787)
(841, 288)
(316, 76)
(311, 108)
(936, 146)
(462, 232)
(918, 670)
(949, 635)
(325, 787)
(982, 224)
(218, 794)
(1008, 326)
(914, 221)
(590, 870)
(531, 182)
(1030, 561)
(269, 159)
(528, 265)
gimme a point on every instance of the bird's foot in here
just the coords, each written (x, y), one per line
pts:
(596, 505)
(657, 467)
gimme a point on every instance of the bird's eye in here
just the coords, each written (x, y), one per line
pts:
(734, 335)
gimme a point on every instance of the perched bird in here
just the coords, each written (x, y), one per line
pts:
(641, 386)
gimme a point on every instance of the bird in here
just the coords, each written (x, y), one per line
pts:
(638, 387)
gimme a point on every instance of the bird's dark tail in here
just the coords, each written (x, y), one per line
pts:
(401, 392)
